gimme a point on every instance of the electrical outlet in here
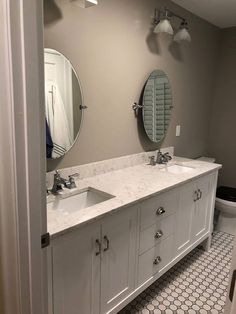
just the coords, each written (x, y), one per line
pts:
(177, 130)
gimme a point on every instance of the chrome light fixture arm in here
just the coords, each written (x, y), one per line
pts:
(166, 14)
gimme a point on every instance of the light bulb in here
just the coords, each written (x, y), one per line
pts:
(164, 26)
(182, 34)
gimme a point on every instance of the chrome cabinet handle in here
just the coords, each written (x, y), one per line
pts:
(157, 260)
(200, 194)
(158, 234)
(98, 243)
(160, 211)
(196, 194)
(107, 243)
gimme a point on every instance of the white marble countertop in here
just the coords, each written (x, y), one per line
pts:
(129, 186)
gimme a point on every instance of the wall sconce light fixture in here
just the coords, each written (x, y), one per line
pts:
(163, 25)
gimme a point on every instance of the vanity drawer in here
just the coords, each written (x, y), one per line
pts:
(154, 260)
(159, 231)
(158, 207)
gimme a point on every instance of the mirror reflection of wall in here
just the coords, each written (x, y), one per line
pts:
(63, 103)
(157, 105)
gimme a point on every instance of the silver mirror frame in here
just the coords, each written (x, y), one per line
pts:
(170, 106)
(82, 106)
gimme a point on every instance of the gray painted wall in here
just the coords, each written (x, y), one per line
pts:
(113, 49)
(222, 139)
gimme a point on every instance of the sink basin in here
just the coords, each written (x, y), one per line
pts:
(67, 204)
(177, 169)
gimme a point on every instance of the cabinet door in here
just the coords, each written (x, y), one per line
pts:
(118, 258)
(202, 208)
(184, 217)
(76, 272)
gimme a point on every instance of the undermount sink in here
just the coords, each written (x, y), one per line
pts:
(177, 169)
(68, 204)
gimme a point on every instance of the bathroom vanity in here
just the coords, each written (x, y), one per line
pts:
(101, 257)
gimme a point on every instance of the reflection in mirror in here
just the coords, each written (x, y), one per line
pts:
(157, 105)
(63, 103)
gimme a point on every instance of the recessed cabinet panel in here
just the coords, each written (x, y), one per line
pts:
(76, 273)
(193, 215)
(184, 217)
(154, 260)
(151, 236)
(158, 207)
(202, 210)
(118, 258)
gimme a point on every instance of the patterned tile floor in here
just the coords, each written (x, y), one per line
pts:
(197, 284)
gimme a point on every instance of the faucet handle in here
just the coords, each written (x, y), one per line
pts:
(72, 180)
(152, 160)
(167, 155)
(57, 174)
(74, 175)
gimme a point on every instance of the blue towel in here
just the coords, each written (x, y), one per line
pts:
(49, 142)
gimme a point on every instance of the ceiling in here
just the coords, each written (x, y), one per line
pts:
(221, 13)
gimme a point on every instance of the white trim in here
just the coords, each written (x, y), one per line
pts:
(22, 159)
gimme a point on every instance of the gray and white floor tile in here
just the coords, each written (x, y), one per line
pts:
(197, 284)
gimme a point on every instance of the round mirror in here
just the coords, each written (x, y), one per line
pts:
(63, 103)
(157, 105)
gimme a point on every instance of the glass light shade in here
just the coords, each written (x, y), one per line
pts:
(164, 26)
(182, 35)
(85, 3)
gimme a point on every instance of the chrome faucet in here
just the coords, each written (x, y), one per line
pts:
(59, 182)
(163, 158)
(152, 161)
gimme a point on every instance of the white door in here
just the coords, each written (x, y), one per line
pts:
(58, 71)
(202, 208)
(184, 217)
(230, 307)
(76, 272)
(23, 283)
(118, 258)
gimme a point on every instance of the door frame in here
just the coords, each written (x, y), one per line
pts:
(23, 277)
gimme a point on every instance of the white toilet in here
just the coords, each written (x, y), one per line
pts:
(226, 205)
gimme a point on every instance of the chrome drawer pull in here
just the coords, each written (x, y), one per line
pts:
(160, 211)
(157, 260)
(158, 234)
(98, 243)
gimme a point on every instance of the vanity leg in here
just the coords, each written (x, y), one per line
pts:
(206, 244)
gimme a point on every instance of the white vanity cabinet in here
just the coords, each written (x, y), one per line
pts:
(195, 212)
(118, 257)
(75, 272)
(93, 268)
(172, 224)
(200, 223)
(156, 237)
(101, 267)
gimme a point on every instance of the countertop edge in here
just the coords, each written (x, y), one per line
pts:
(95, 219)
